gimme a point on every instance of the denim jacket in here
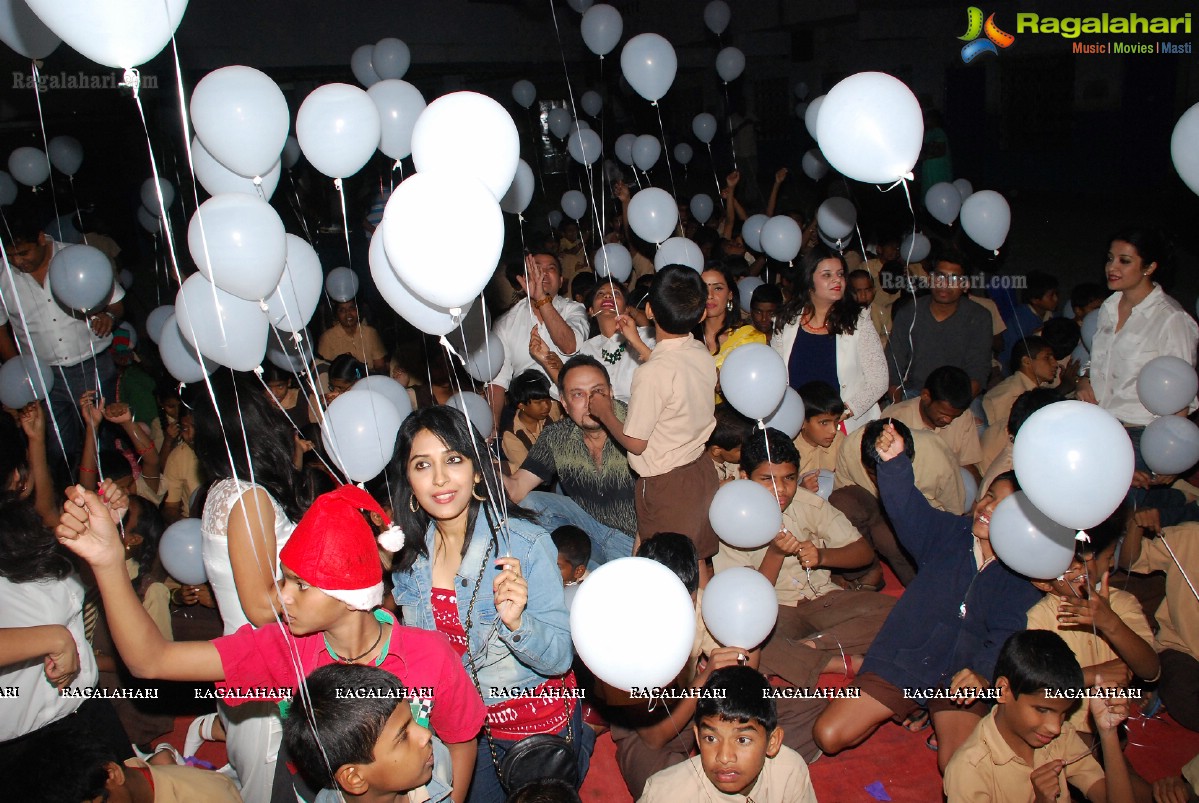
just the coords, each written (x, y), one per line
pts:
(506, 659)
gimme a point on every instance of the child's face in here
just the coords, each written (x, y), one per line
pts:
(536, 409)
(1047, 302)
(187, 429)
(937, 414)
(1031, 719)
(307, 610)
(781, 479)
(1087, 309)
(570, 574)
(338, 387)
(733, 753)
(986, 506)
(820, 429)
(278, 389)
(762, 314)
(347, 314)
(1044, 367)
(403, 755)
(170, 406)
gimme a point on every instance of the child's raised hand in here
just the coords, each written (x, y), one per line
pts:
(86, 527)
(1093, 610)
(1107, 712)
(889, 443)
(967, 681)
(786, 543)
(511, 592)
(1172, 789)
(1045, 784)
(599, 407)
(1148, 518)
(811, 481)
(115, 499)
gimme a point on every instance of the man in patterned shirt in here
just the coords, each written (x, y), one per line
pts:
(592, 470)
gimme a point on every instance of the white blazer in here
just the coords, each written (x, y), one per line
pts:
(861, 367)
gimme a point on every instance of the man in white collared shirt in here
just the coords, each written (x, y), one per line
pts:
(561, 323)
(33, 322)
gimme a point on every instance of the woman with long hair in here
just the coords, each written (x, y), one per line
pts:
(487, 579)
(823, 335)
(723, 327)
(621, 339)
(244, 443)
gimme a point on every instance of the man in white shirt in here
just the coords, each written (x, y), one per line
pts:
(561, 323)
(33, 322)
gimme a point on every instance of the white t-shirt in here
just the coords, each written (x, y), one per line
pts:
(516, 325)
(620, 371)
(37, 704)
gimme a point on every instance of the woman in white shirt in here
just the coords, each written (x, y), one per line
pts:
(244, 444)
(1137, 323)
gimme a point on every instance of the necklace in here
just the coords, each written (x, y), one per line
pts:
(613, 357)
(340, 660)
(813, 328)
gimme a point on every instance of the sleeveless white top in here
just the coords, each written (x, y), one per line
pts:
(214, 529)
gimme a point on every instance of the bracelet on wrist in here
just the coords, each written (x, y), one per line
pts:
(541, 302)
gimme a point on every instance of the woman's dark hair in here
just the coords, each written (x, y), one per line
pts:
(842, 316)
(29, 552)
(733, 318)
(459, 435)
(273, 373)
(14, 454)
(347, 369)
(1152, 245)
(150, 527)
(249, 438)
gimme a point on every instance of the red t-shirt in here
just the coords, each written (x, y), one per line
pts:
(256, 662)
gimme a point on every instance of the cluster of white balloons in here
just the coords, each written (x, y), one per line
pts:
(116, 33)
(387, 59)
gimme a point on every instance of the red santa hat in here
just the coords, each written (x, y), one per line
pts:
(333, 547)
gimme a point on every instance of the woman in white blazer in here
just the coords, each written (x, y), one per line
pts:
(823, 334)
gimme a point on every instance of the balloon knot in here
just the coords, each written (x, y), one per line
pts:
(455, 313)
(258, 371)
(995, 252)
(132, 79)
(908, 177)
(395, 166)
(257, 181)
(262, 305)
(762, 424)
(520, 218)
(1082, 537)
(337, 184)
(297, 338)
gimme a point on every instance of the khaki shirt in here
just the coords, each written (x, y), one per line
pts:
(998, 401)
(936, 469)
(998, 327)
(960, 435)
(783, 779)
(817, 458)
(364, 344)
(808, 518)
(1178, 615)
(672, 406)
(985, 768)
(1087, 648)
(180, 476)
(1001, 464)
(180, 784)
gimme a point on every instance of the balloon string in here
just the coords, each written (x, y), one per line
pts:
(1174, 557)
(715, 175)
(907, 270)
(345, 221)
(666, 148)
(298, 207)
(37, 94)
(133, 80)
(728, 115)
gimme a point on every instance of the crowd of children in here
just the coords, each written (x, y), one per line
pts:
(431, 659)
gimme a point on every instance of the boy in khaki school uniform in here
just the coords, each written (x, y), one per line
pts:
(943, 407)
(670, 415)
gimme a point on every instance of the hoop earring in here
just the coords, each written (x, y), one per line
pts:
(474, 494)
(729, 306)
(412, 502)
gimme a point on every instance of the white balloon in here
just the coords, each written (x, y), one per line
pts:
(1028, 541)
(29, 166)
(1170, 444)
(24, 380)
(21, 30)
(815, 166)
(943, 202)
(392, 390)
(8, 189)
(66, 153)
(580, 5)
(703, 125)
(150, 194)
(430, 210)
(224, 328)
(554, 218)
(426, 317)
(679, 251)
(574, 204)
(745, 514)
(653, 214)
(701, 207)
(1183, 148)
(915, 248)
(157, 319)
(801, 90)
(648, 62)
(740, 607)
(399, 104)
(986, 219)
(469, 133)
(683, 153)
(964, 188)
(613, 259)
(341, 284)
(754, 380)
(242, 118)
(811, 115)
(592, 103)
(584, 145)
(608, 623)
(646, 151)
(1167, 385)
(788, 417)
(730, 63)
(359, 432)
(745, 291)
(238, 243)
(485, 361)
(149, 220)
(338, 129)
(477, 411)
(602, 27)
(362, 67)
(751, 232)
(391, 58)
(516, 199)
(1074, 461)
(837, 217)
(781, 238)
(217, 179)
(717, 16)
(624, 148)
(180, 357)
(115, 33)
(870, 128)
(524, 93)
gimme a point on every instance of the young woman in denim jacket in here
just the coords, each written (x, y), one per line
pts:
(492, 588)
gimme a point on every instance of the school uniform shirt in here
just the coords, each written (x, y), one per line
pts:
(267, 659)
(784, 779)
(818, 458)
(516, 325)
(960, 435)
(936, 466)
(1156, 327)
(52, 602)
(1178, 615)
(1088, 648)
(1000, 464)
(44, 328)
(364, 344)
(808, 518)
(180, 476)
(177, 784)
(672, 406)
(998, 401)
(986, 768)
(727, 471)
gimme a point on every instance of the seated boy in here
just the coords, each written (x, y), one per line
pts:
(530, 392)
(820, 435)
(1025, 749)
(741, 750)
(1175, 551)
(73, 766)
(1032, 366)
(355, 730)
(945, 631)
(821, 628)
(724, 444)
(1104, 627)
(943, 407)
(330, 594)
